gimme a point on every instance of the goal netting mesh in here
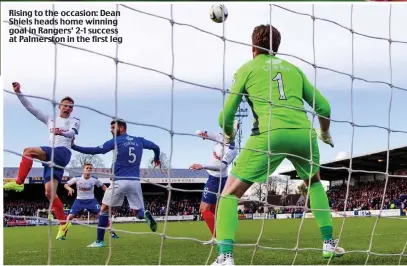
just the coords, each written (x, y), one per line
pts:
(283, 10)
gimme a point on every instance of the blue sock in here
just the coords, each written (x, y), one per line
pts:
(140, 214)
(103, 222)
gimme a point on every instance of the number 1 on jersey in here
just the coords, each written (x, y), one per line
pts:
(132, 155)
(279, 80)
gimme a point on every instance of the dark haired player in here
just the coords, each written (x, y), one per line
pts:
(127, 175)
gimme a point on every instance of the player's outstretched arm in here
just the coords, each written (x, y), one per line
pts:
(227, 159)
(209, 135)
(102, 149)
(30, 108)
(216, 166)
(227, 115)
(149, 145)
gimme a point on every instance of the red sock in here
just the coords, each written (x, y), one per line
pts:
(25, 167)
(209, 217)
(58, 209)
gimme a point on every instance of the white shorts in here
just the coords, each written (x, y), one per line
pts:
(124, 188)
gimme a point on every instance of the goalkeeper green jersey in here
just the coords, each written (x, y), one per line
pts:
(289, 87)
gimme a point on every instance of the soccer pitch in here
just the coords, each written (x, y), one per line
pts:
(29, 245)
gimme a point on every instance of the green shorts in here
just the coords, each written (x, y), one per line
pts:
(251, 166)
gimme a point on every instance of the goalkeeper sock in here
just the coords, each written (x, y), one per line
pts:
(226, 223)
(25, 167)
(102, 224)
(209, 217)
(58, 209)
(319, 200)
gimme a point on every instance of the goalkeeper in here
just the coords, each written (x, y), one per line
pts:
(289, 132)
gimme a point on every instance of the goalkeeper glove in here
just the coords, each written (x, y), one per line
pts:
(325, 137)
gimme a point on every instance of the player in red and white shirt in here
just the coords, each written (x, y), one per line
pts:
(66, 127)
(222, 157)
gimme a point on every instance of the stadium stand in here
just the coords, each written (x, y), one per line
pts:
(155, 197)
(366, 190)
(371, 162)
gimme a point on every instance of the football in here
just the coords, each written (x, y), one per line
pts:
(219, 13)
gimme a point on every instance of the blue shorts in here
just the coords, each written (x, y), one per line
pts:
(62, 156)
(212, 185)
(92, 205)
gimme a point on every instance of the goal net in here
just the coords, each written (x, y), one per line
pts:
(157, 55)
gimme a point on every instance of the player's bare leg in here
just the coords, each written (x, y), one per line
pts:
(57, 207)
(25, 167)
(226, 222)
(320, 209)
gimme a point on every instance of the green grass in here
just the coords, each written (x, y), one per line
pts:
(29, 245)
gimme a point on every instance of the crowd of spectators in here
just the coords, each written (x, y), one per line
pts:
(156, 203)
(363, 196)
(369, 195)
(185, 204)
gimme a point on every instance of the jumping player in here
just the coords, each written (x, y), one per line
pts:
(217, 170)
(66, 127)
(85, 200)
(127, 175)
(289, 132)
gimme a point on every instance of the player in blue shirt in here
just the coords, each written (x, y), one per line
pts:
(127, 175)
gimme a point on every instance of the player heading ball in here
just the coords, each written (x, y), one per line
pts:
(62, 130)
